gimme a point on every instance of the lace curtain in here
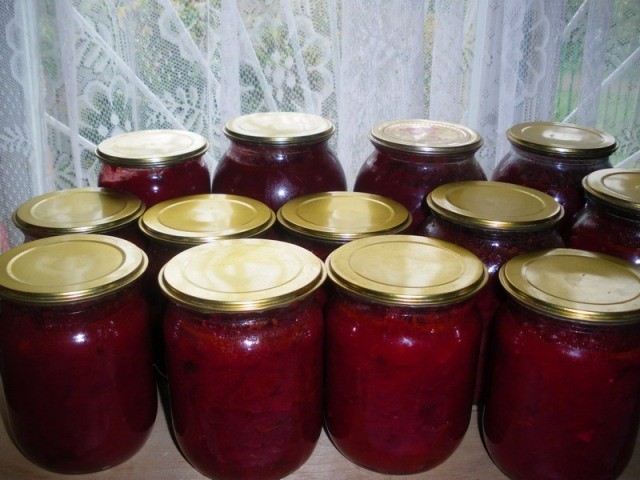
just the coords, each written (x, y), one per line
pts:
(75, 72)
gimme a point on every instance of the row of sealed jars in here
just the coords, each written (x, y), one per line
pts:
(251, 357)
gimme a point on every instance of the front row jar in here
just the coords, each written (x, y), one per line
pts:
(244, 346)
(403, 334)
(563, 401)
(75, 353)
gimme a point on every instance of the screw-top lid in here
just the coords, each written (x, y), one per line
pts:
(406, 270)
(195, 219)
(151, 148)
(576, 285)
(78, 210)
(69, 268)
(495, 206)
(426, 137)
(615, 186)
(279, 128)
(562, 139)
(343, 216)
(241, 275)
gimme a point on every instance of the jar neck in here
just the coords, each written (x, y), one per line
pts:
(556, 158)
(612, 210)
(514, 235)
(417, 157)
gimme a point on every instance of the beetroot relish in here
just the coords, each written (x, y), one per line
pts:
(564, 400)
(246, 388)
(78, 381)
(399, 381)
(408, 177)
(154, 184)
(275, 174)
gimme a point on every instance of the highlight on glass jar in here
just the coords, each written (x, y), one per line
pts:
(321, 222)
(496, 221)
(155, 165)
(180, 223)
(563, 400)
(402, 340)
(82, 210)
(554, 158)
(244, 356)
(609, 222)
(412, 157)
(277, 156)
(75, 352)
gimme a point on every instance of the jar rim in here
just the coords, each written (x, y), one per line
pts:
(151, 148)
(70, 268)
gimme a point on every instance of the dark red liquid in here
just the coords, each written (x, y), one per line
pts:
(79, 382)
(399, 382)
(598, 228)
(246, 388)
(156, 184)
(276, 174)
(494, 248)
(408, 178)
(559, 177)
(563, 400)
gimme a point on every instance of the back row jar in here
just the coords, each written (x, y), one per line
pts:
(274, 157)
(412, 157)
(554, 158)
(155, 165)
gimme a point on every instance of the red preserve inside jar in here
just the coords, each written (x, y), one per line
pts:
(403, 334)
(244, 338)
(155, 165)
(75, 354)
(82, 210)
(412, 157)
(554, 158)
(496, 221)
(564, 393)
(277, 156)
(610, 220)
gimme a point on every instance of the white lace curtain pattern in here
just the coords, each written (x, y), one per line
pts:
(75, 72)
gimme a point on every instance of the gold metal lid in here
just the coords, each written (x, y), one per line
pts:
(78, 210)
(495, 206)
(406, 270)
(563, 139)
(279, 128)
(615, 186)
(343, 216)
(575, 284)
(69, 268)
(426, 137)
(196, 219)
(241, 275)
(151, 148)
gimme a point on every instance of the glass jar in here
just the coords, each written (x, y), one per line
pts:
(75, 354)
(496, 221)
(244, 353)
(82, 210)
(155, 165)
(563, 400)
(412, 157)
(403, 333)
(612, 206)
(321, 222)
(276, 156)
(554, 158)
(175, 225)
